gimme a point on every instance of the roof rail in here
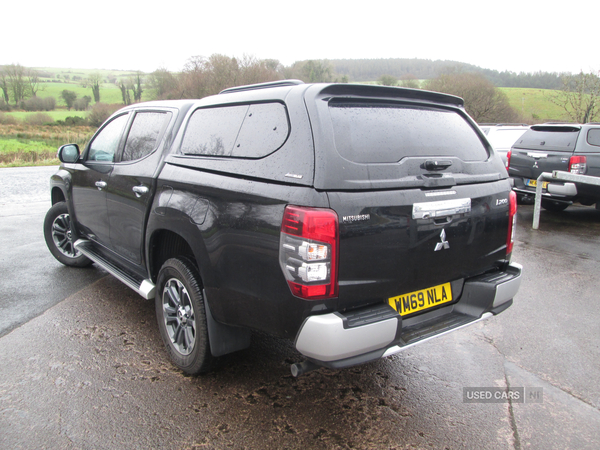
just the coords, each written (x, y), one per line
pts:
(269, 84)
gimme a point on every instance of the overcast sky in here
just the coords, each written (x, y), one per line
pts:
(519, 36)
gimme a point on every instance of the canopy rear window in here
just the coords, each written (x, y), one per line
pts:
(557, 138)
(377, 132)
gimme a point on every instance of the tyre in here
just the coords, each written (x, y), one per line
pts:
(59, 238)
(181, 316)
(550, 205)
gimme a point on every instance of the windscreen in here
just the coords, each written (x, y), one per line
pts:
(377, 132)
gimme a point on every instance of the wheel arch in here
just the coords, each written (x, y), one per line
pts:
(57, 195)
(165, 244)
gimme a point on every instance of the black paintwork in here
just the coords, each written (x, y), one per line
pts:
(225, 213)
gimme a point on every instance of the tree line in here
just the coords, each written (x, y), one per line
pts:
(203, 76)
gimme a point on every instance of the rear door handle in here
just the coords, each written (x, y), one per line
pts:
(100, 185)
(140, 190)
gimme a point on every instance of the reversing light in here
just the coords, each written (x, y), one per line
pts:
(308, 251)
(578, 165)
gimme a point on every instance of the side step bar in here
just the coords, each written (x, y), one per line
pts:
(142, 286)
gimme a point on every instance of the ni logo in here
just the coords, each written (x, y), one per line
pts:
(442, 245)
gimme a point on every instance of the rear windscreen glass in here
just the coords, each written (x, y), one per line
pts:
(548, 138)
(386, 133)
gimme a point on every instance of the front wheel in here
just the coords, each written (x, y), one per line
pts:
(59, 237)
(181, 316)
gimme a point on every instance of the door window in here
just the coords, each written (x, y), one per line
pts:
(144, 135)
(105, 144)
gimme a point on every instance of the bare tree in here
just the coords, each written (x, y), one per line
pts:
(579, 96)
(94, 81)
(124, 86)
(17, 81)
(136, 82)
(483, 101)
(4, 83)
(33, 81)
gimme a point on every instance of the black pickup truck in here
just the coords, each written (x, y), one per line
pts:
(354, 220)
(570, 148)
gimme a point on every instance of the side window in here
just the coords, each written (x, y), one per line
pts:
(265, 129)
(105, 144)
(593, 137)
(144, 134)
(241, 131)
(213, 131)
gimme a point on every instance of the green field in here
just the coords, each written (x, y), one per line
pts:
(534, 105)
(59, 114)
(109, 93)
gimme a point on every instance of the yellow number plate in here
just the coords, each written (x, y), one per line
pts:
(533, 183)
(421, 300)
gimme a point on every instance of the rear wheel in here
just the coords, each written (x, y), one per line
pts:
(59, 237)
(551, 205)
(181, 316)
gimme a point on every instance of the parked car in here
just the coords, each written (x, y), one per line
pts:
(502, 136)
(566, 147)
(354, 220)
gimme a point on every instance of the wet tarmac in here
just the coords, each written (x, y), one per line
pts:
(88, 371)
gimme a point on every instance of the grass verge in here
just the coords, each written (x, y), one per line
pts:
(22, 145)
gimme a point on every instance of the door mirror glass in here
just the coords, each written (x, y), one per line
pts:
(69, 153)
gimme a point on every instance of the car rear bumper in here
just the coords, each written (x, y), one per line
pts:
(557, 191)
(339, 340)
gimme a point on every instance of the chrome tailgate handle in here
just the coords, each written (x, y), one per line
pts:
(442, 208)
(100, 184)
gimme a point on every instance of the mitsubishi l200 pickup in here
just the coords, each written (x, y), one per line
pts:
(353, 220)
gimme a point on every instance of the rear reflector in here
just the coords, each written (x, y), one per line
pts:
(512, 223)
(308, 251)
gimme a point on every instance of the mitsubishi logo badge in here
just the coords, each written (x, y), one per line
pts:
(535, 165)
(444, 244)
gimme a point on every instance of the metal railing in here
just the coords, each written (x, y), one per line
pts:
(556, 175)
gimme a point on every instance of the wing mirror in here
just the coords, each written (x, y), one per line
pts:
(69, 153)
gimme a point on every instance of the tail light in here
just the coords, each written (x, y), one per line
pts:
(308, 251)
(512, 223)
(578, 165)
(508, 155)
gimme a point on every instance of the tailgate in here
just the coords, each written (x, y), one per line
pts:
(543, 148)
(529, 164)
(401, 241)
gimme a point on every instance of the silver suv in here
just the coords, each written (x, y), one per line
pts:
(502, 137)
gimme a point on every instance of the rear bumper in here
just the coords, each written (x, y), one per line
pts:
(339, 340)
(556, 191)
